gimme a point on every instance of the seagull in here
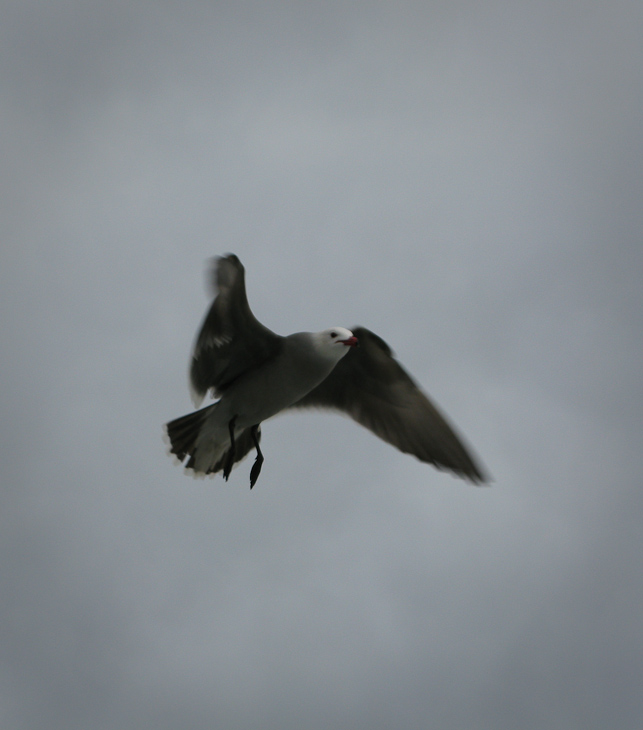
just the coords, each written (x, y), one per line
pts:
(256, 374)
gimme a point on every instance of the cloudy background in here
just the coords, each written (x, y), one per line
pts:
(463, 178)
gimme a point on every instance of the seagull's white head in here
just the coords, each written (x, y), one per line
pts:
(335, 342)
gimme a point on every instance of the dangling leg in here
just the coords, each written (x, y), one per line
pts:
(256, 467)
(229, 463)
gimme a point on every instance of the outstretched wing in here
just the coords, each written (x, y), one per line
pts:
(231, 340)
(374, 389)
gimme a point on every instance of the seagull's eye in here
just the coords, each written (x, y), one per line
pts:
(333, 334)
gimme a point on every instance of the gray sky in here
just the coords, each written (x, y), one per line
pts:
(466, 180)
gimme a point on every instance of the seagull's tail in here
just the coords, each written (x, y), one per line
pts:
(205, 444)
(182, 433)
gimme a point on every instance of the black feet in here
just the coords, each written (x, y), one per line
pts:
(229, 462)
(256, 467)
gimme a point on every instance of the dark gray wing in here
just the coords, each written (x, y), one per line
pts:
(231, 340)
(374, 389)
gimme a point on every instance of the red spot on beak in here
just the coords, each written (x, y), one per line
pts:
(350, 342)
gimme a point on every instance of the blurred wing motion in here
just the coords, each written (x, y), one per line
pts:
(374, 389)
(231, 340)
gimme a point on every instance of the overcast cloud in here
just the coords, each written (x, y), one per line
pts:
(463, 178)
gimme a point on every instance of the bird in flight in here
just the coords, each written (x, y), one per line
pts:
(256, 374)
